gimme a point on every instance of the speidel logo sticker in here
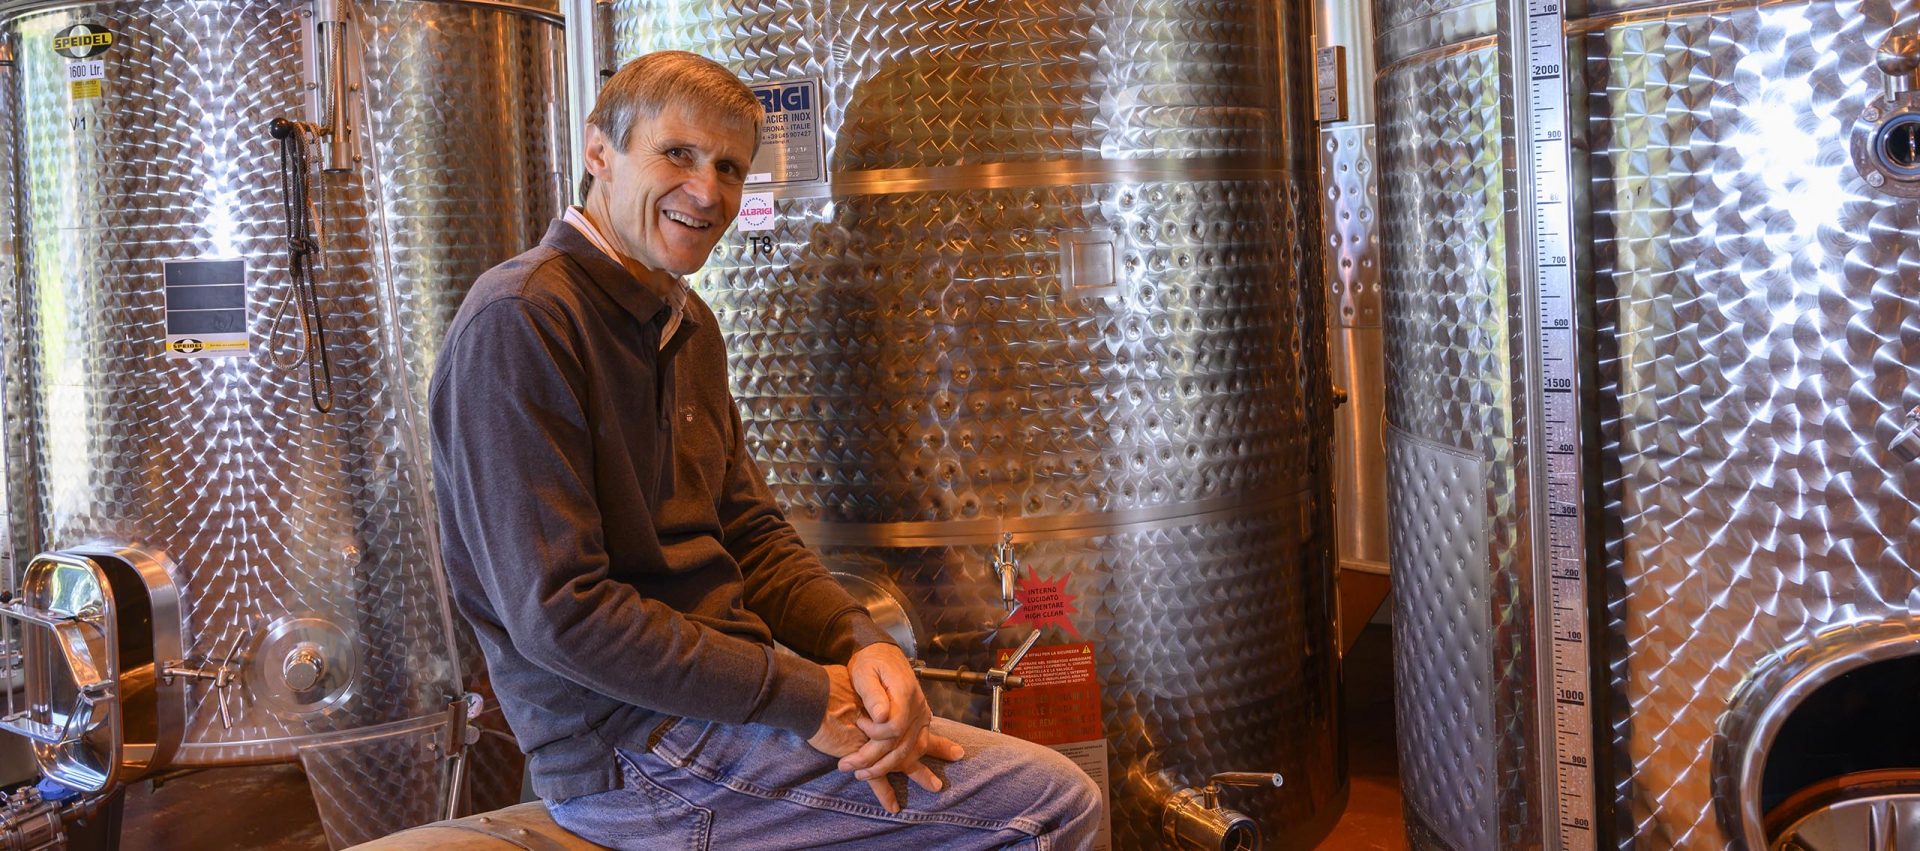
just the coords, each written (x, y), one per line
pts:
(82, 41)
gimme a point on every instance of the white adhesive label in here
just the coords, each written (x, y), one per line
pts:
(86, 69)
(757, 212)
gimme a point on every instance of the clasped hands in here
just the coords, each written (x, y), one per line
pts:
(877, 723)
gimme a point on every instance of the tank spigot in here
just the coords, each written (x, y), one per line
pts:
(1899, 60)
(1906, 444)
(1193, 819)
(1006, 567)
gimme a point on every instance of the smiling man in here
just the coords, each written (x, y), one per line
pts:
(626, 569)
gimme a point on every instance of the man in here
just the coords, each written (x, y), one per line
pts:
(623, 563)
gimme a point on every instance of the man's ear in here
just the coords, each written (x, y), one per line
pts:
(594, 150)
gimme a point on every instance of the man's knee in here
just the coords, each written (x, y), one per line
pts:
(1071, 797)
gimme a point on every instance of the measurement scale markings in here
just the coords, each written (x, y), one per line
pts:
(1558, 423)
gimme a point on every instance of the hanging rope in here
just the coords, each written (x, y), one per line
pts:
(295, 165)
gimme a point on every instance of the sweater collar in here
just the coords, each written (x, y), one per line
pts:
(607, 273)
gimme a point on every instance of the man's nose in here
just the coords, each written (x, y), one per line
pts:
(704, 186)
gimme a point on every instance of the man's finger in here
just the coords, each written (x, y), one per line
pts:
(868, 754)
(872, 688)
(941, 747)
(905, 754)
(895, 729)
(883, 789)
(924, 777)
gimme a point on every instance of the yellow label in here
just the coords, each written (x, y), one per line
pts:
(75, 42)
(193, 346)
(83, 89)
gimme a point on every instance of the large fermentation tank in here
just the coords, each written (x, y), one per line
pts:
(281, 513)
(1052, 274)
(1748, 233)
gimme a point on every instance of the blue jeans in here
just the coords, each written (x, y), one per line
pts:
(733, 787)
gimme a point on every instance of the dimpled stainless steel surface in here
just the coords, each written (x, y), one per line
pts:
(1409, 27)
(368, 786)
(10, 361)
(1757, 340)
(1450, 349)
(1179, 706)
(926, 83)
(1444, 700)
(1443, 237)
(1350, 220)
(1025, 401)
(1350, 210)
(917, 371)
(269, 509)
(1754, 354)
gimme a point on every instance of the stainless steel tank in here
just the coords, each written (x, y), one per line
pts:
(1052, 275)
(1747, 236)
(164, 405)
(1350, 221)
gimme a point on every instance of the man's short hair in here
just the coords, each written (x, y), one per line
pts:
(648, 85)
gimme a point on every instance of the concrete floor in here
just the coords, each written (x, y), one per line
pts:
(270, 809)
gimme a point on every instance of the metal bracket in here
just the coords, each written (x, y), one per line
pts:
(461, 737)
(338, 82)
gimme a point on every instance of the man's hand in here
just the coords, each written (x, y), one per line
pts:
(897, 720)
(840, 734)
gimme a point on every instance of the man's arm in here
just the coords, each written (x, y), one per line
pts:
(786, 585)
(809, 611)
(514, 456)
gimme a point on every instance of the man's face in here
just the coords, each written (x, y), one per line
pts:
(665, 200)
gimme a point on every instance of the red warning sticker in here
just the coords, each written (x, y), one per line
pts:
(1060, 702)
(1044, 602)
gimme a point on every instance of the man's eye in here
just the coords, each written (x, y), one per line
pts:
(677, 153)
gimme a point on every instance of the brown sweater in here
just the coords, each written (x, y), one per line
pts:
(604, 531)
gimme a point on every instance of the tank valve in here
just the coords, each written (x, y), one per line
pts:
(1006, 567)
(1899, 60)
(998, 681)
(1194, 820)
(1906, 444)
